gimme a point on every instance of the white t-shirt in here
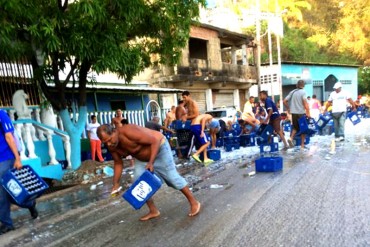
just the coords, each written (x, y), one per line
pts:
(92, 127)
(339, 101)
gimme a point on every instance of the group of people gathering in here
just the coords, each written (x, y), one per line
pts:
(148, 149)
(151, 150)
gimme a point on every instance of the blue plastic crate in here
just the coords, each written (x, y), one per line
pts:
(219, 142)
(228, 147)
(247, 140)
(142, 189)
(23, 184)
(213, 154)
(179, 125)
(260, 141)
(264, 131)
(231, 139)
(323, 121)
(303, 124)
(269, 164)
(269, 148)
(354, 118)
(298, 140)
(287, 127)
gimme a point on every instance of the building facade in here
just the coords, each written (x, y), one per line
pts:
(214, 67)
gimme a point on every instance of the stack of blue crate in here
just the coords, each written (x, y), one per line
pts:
(248, 140)
(269, 161)
(183, 135)
(231, 142)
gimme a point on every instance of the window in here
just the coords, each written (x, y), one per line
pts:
(118, 104)
(198, 49)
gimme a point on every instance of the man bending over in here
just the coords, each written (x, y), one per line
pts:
(152, 152)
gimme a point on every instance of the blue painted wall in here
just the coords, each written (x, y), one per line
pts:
(132, 102)
(315, 76)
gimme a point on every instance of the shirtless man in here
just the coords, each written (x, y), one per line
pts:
(180, 112)
(116, 121)
(170, 117)
(152, 152)
(197, 127)
(191, 105)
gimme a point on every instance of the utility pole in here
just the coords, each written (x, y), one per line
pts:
(258, 43)
(279, 79)
(270, 58)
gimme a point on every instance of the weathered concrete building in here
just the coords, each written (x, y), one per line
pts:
(214, 67)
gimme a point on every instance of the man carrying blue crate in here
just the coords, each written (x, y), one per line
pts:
(152, 152)
(296, 104)
(338, 100)
(9, 159)
(273, 116)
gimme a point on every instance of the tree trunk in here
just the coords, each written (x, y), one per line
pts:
(74, 131)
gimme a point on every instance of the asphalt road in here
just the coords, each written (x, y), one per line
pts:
(317, 200)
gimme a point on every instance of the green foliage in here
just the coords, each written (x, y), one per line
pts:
(364, 80)
(116, 35)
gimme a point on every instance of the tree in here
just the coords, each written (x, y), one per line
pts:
(76, 37)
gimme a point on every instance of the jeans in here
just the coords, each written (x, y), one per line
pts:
(6, 199)
(339, 118)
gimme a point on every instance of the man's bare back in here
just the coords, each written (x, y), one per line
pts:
(136, 141)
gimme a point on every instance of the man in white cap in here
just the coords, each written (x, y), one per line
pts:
(338, 99)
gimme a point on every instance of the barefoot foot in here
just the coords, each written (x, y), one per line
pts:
(195, 209)
(150, 215)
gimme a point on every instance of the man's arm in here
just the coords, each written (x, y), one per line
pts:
(353, 104)
(118, 167)
(10, 140)
(306, 107)
(167, 129)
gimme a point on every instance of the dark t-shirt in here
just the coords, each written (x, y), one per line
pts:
(153, 126)
(269, 104)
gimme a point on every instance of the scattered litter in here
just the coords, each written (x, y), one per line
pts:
(122, 221)
(93, 187)
(100, 183)
(108, 171)
(327, 157)
(251, 173)
(216, 186)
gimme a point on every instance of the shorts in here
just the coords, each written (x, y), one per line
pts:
(295, 123)
(196, 129)
(214, 124)
(164, 167)
(275, 123)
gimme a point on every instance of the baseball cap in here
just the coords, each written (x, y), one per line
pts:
(337, 85)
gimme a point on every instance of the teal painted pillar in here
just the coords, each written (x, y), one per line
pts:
(74, 131)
